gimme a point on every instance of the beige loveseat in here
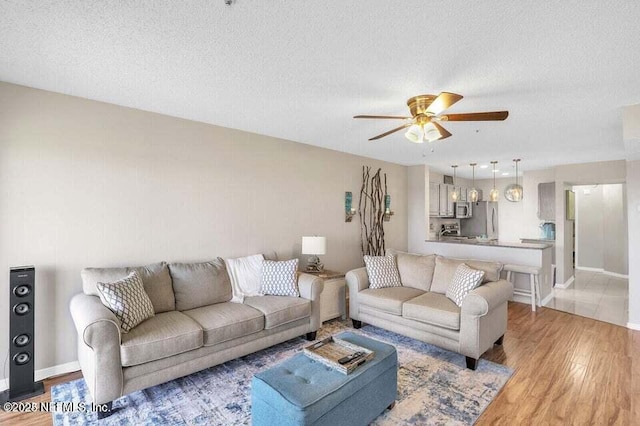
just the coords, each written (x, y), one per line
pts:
(420, 309)
(195, 326)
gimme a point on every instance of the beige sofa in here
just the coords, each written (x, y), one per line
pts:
(194, 327)
(420, 309)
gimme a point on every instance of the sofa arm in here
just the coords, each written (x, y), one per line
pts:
(487, 297)
(483, 318)
(311, 287)
(357, 280)
(98, 347)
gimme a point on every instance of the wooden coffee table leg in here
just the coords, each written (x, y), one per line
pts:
(393, 404)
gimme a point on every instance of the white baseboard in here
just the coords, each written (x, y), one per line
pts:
(613, 274)
(566, 284)
(588, 268)
(633, 326)
(45, 373)
(547, 299)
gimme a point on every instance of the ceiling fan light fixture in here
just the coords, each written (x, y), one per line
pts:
(431, 132)
(415, 134)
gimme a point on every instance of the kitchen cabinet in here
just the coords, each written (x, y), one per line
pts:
(547, 201)
(434, 199)
(446, 203)
(450, 202)
(463, 194)
(444, 200)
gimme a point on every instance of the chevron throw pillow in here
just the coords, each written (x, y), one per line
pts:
(280, 278)
(127, 299)
(382, 271)
(464, 280)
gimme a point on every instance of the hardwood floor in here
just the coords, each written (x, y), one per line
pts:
(568, 370)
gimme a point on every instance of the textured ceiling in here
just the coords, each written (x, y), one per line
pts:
(300, 70)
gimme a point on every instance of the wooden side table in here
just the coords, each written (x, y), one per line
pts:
(333, 302)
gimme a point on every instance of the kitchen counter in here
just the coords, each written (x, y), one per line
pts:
(529, 254)
(538, 240)
(474, 242)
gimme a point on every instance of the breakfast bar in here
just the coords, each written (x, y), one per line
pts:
(528, 254)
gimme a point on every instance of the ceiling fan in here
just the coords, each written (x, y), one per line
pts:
(424, 122)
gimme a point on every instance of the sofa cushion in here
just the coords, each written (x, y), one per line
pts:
(389, 299)
(433, 308)
(280, 310)
(155, 278)
(464, 280)
(416, 270)
(127, 300)
(382, 271)
(200, 284)
(226, 321)
(446, 268)
(164, 335)
(280, 278)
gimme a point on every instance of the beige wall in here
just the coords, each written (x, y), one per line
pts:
(84, 183)
(566, 177)
(589, 226)
(601, 227)
(633, 209)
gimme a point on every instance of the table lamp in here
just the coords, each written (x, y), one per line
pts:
(314, 246)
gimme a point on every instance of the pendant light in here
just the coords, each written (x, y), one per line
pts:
(494, 195)
(514, 192)
(473, 194)
(454, 194)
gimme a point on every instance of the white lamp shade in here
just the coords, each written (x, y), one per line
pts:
(415, 134)
(431, 132)
(314, 245)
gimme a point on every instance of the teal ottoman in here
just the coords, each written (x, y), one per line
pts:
(302, 391)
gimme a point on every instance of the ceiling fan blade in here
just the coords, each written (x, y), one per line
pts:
(443, 132)
(393, 117)
(397, 129)
(442, 102)
(476, 116)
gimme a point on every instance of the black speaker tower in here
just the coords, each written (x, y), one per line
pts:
(21, 332)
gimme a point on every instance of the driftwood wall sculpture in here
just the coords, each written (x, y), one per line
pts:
(371, 209)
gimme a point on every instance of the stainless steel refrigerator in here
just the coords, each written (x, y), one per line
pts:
(484, 221)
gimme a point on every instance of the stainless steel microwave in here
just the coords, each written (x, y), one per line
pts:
(463, 210)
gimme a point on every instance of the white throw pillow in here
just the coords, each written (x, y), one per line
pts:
(382, 271)
(127, 299)
(464, 280)
(280, 278)
(246, 276)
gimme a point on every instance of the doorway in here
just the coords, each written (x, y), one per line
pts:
(601, 286)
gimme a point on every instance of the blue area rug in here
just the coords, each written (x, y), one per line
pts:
(434, 387)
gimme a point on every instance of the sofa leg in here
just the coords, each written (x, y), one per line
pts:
(105, 410)
(390, 407)
(471, 363)
(311, 335)
(356, 323)
(500, 340)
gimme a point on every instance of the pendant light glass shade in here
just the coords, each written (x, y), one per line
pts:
(454, 194)
(514, 192)
(473, 194)
(494, 195)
